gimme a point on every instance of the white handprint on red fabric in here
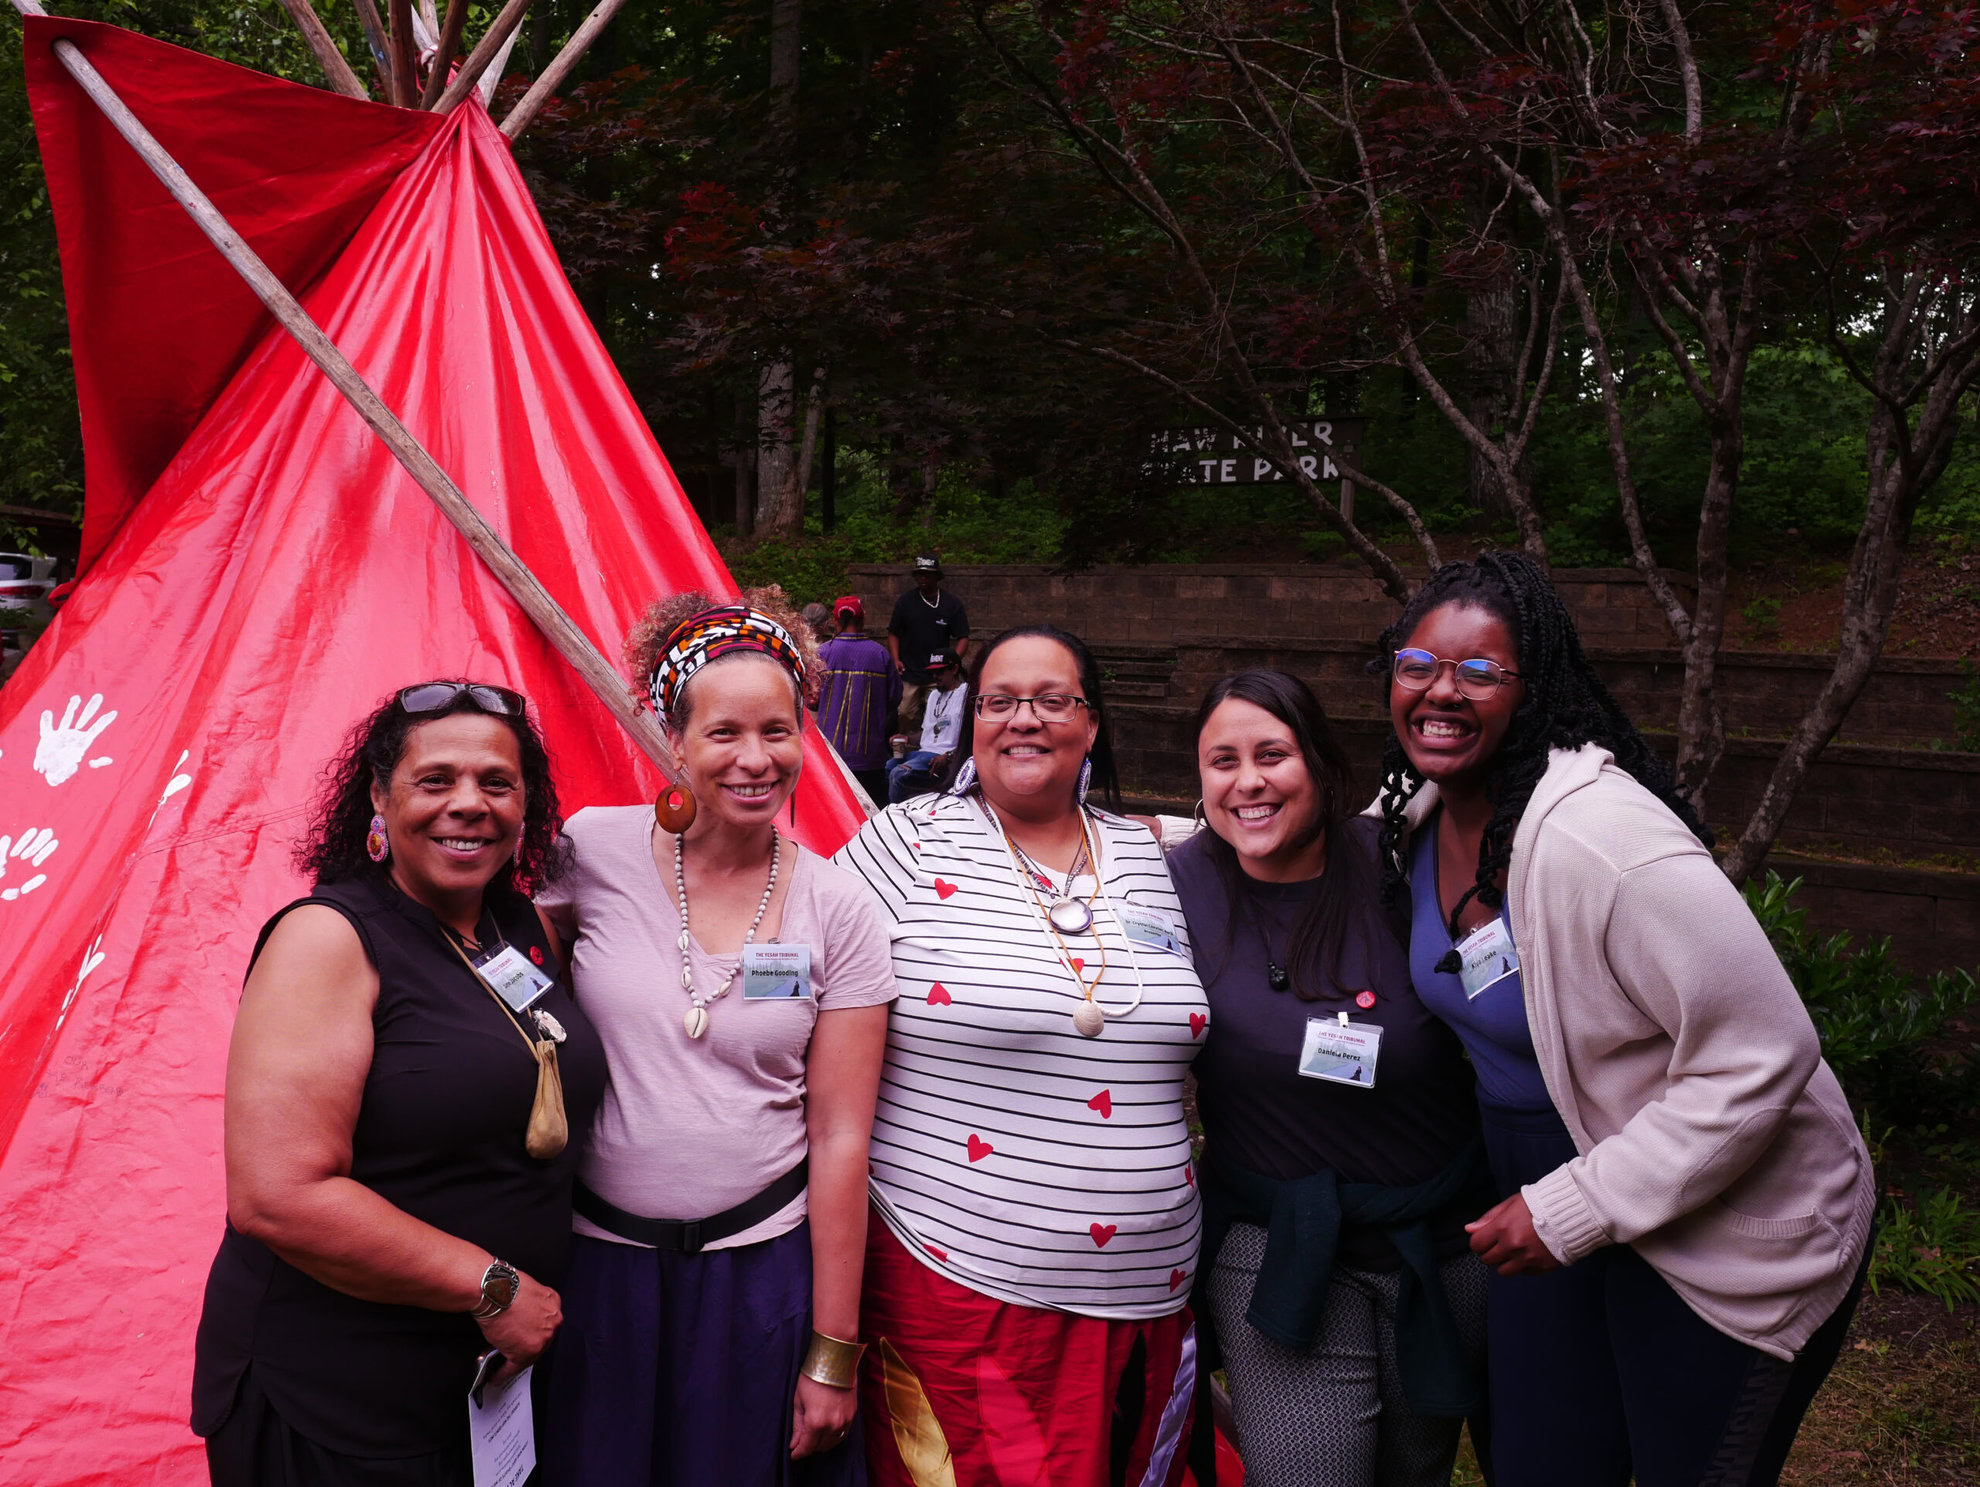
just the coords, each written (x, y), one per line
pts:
(60, 752)
(28, 847)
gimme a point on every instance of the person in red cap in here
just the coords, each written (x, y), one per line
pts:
(861, 690)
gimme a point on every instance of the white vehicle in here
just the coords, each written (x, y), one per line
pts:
(25, 582)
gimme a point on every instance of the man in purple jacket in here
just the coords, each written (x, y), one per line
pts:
(861, 690)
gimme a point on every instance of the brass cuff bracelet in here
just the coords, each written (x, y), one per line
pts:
(832, 1361)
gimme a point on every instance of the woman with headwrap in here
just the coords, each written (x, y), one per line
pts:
(741, 986)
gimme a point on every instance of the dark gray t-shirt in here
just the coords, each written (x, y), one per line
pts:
(1259, 1111)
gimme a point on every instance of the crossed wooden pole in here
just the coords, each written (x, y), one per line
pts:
(676, 806)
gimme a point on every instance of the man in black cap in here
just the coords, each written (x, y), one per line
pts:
(928, 625)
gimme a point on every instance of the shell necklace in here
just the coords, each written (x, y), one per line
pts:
(1090, 1020)
(696, 1020)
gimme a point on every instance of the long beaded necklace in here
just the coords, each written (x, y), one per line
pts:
(696, 1020)
(1090, 1020)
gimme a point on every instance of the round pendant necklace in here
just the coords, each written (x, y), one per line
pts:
(1067, 914)
(696, 1020)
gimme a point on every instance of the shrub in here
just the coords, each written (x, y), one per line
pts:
(1934, 1248)
(1875, 1020)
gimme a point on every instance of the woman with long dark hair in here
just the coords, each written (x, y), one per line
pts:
(1685, 1202)
(406, 1068)
(1025, 1287)
(1341, 1158)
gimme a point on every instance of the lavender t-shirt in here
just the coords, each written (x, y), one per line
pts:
(690, 1127)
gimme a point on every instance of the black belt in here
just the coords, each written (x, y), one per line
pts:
(691, 1236)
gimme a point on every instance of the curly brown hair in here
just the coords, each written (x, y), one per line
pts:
(648, 637)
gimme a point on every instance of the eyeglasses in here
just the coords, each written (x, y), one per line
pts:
(433, 697)
(1051, 707)
(1477, 679)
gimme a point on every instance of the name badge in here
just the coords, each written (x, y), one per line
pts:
(1150, 929)
(1487, 957)
(515, 980)
(776, 973)
(1340, 1051)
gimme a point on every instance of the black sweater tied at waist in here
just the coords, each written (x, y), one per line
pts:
(1303, 1219)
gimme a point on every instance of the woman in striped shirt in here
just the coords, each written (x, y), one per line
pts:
(1031, 1164)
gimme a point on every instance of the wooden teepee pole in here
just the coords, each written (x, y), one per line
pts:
(677, 803)
(560, 67)
(499, 31)
(335, 68)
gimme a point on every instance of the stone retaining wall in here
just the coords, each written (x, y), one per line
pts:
(1143, 605)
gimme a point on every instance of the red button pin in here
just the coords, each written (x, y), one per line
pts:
(1365, 1000)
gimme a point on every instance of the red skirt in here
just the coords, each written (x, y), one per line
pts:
(959, 1390)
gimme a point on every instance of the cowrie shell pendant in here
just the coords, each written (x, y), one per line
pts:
(697, 1021)
(1090, 1020)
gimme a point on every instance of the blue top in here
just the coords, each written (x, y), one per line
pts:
(1492, 1025)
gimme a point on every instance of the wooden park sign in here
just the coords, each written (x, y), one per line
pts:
(1209, 455)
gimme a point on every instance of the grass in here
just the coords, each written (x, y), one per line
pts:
(1901, 1409)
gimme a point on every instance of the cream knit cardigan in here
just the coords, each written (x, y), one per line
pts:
(1711, 1135)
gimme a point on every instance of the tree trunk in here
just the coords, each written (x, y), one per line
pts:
(1701, 722)
(1491, 327)
(1904, 462)
(782, 510)
(745, 470)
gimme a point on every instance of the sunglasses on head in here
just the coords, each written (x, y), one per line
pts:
(1477, 679)
(434, 697)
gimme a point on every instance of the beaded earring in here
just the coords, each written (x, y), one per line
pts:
(377, 845)
(1085, 778)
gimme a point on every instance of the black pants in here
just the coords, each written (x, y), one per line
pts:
(1599, 1370)
(255, 1447)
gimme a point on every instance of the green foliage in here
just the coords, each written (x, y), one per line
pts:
(1933, 1248)
(1876, 1022)
(962, 522)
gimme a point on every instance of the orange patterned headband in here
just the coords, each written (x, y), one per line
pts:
(701, 638)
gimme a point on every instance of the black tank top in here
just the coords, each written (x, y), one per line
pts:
(439, 1133)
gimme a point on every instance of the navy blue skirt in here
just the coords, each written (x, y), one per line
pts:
(681, 1370)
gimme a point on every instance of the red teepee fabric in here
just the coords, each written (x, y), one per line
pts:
(278, 575)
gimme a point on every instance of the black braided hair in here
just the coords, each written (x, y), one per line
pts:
(1565, 706)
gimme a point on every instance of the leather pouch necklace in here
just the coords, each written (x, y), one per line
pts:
(549, 1130)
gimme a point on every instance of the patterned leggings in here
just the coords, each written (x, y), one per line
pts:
(1334, 1416)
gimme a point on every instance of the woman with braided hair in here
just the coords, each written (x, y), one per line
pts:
(1685, 1203)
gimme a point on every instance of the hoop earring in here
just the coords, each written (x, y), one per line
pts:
(377, 844)
(1197, 815)
(1085, 778)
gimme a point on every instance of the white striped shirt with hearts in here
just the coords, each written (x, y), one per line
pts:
(1009, 1153)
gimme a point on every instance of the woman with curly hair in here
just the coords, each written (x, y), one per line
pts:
(405, 1066)
(1685, 1201)
(741, 986)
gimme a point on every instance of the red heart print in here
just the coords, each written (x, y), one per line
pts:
(1104, 1103)
(1189, 1176)
(1078, 965)
(1197, 1023)
(943, 890)
(940, 1254)
(1177, 1277)
(1102, 1233)
(938, 996)
(978, 1147)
